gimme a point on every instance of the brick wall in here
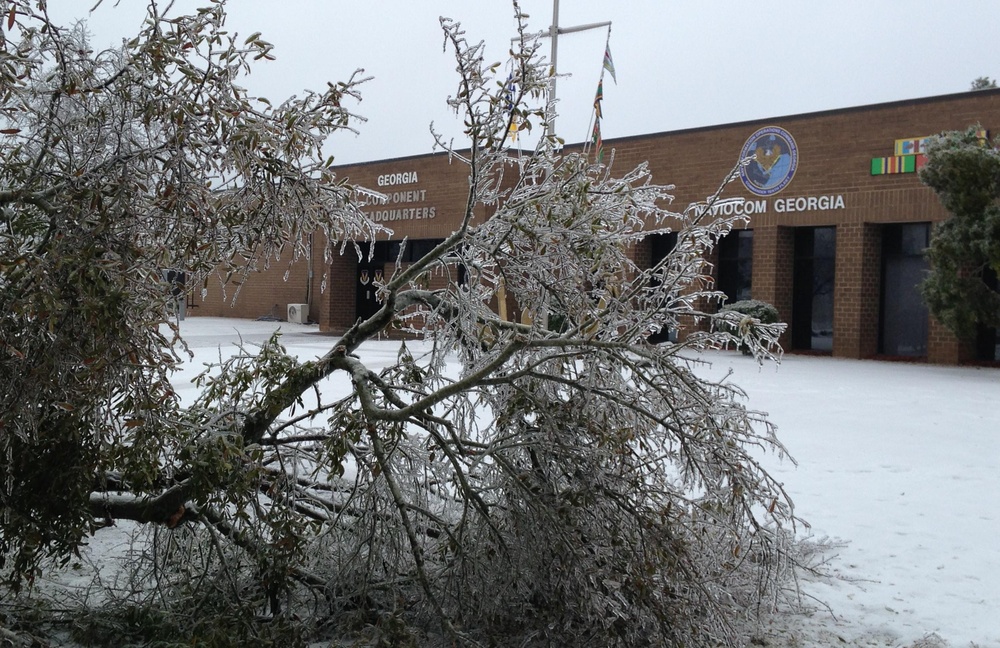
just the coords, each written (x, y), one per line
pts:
(259, 294)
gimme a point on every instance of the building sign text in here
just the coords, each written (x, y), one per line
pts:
(396, 205)
(780, 205)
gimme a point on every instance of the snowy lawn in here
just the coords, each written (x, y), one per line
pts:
(897, 461)
(900, 462)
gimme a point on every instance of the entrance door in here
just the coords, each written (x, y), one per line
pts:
(370, 269)
(660, 246)
(735, 269)
(988, 344)
(988, 341)
(366, 301)
(812, 288)
(903, 329)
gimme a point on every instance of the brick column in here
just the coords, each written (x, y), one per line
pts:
(337, 303)
(944, 348)
(773, 265)
(856, 291)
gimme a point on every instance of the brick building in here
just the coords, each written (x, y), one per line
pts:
(838, 223)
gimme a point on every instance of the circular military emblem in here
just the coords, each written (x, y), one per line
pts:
(775, 158)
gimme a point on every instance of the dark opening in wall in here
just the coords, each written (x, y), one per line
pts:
(812, 288)
(735, 270)
(903, 313)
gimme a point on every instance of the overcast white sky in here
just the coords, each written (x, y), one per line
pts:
(680, 64)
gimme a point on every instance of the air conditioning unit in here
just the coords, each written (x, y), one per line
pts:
(298, 313)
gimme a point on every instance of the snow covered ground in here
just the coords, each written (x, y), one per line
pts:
(900, 462)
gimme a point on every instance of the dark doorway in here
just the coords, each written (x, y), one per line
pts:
(903, 330)
(735, 271)
(988, 340)
(366, 300)
(371, 268)
(988, 344)
(812, 288)
(370, 271)
(660, 245)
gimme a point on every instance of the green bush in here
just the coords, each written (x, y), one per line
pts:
(755, 308)
(759, 310)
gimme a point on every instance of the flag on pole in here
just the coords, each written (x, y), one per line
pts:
(598, 142)
(512, 130)
(609, 65)
(508, 93)
(598, 99)
(508, 97)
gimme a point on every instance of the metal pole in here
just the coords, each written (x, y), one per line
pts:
(550, 126)
(554, 31)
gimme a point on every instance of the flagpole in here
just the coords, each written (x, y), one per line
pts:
(550, 123)
(554, 31)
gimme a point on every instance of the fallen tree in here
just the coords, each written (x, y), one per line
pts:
(510, 484)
